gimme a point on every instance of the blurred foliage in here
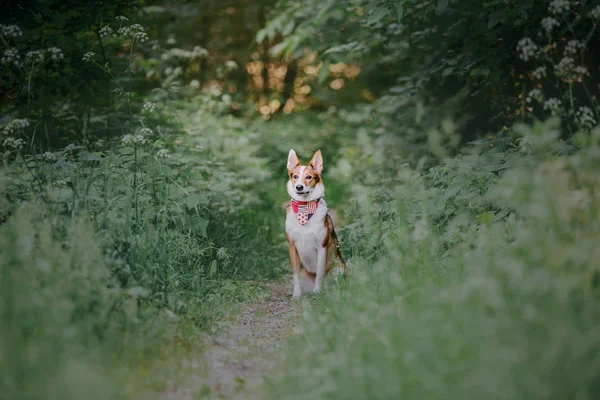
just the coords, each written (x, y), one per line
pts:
(143, 145)
(432, 60)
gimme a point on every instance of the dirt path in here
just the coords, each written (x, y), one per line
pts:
(238, 358)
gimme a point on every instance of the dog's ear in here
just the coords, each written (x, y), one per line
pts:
(293, 161)
(317, 162)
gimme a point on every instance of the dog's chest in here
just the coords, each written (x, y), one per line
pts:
(307, 238)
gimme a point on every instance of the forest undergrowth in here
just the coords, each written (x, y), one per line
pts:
(143, 190)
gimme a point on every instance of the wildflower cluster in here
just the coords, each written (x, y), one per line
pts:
(553, 105)
(121, 18)
(163, 153)
(13, 143)
(557, 7)
(10, 31)
(138, 138)
(11, 57)
(38, 56)
(106, 31)
(148, 107)
(35, 56)
(595, 13)
(573, 46)
(89, 56)
(135, 32)
(539, 72)
(16, 125)
(145, 131)
(550, 23)
(49, 157)
(182, 54)
(585, 115)
(534, 94)
(231, 65)
(173, 71)
(564, 66)
(526, 49)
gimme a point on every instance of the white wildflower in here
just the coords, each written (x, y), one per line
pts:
(214, 91)
(595, 13)
(171, 41)
(226, 99)
(564, 66)
(177, 71)
(539, 72)
(194, 84)
(49, 157)
(70, 147)
(89, 56)
(127, 139)
(35, 56)
(10, 31)
(579, 70)
(163, 153)
(182, 54)
(55, 54)
(106, 31)
(145, 131)
(122, 18)
(559, 6)
(168, 71)
(148, 107)
(135, 31)
(534, 94)
(550, 23)
(553, 105)
(11, 56)
(13, 143)
(585, 115)
(139, 139)
(231, 65)
(16, 125)
(526, 48)
(573, 46)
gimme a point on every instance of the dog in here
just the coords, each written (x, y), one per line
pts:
(313, 244)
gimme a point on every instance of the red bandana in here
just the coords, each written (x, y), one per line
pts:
(304, 210)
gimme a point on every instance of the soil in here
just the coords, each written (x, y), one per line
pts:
(243, 352)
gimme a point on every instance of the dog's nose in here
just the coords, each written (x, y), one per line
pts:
(299, 187)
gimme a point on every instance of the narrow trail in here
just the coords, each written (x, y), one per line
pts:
(238, 358)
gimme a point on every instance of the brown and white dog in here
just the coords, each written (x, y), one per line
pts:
(314, 247)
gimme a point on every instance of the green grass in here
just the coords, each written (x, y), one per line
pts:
(494, 297)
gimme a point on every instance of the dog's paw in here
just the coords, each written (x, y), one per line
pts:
(317, 290)
(296, 294)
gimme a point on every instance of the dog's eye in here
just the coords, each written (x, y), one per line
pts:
(309, 177)
(295, 176)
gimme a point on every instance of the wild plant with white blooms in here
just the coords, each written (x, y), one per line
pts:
(560, 75)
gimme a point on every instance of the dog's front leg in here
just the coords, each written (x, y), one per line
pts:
(295, 260)
(321, 261)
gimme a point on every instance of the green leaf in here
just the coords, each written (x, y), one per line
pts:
(441, 5)
(195, 200)
(377, 14)
(323, 73)
(452, 191)
(399, 8)
(485, 218)
(480, 72)
(126, 150)
(496, 18)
